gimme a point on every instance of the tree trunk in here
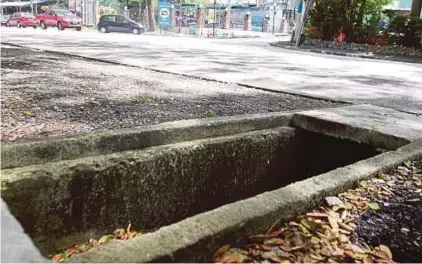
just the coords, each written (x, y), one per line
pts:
(416, 8)
(305, 12)
(145, 16)
(140, 20)
(151, 16)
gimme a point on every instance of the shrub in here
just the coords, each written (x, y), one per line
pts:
(104, 10)
(405, 31)
(358, 19)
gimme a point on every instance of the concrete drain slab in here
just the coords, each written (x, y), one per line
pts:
(235, 177)
(363, 123)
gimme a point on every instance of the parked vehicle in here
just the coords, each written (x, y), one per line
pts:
(59, 18)
(118, 23)
(22, 19)
(4, 19)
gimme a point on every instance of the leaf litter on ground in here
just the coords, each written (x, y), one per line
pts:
(324, 235)
(118, 234)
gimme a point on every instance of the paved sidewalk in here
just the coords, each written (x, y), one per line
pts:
(347, 53)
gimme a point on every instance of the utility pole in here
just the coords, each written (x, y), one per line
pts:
(180, 18)
(274, 12)
(215, 20)
(229, 12)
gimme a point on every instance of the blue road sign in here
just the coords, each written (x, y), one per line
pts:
(299, 8)
(165, 14)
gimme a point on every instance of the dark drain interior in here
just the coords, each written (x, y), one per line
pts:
(309, 154)
(58, 207)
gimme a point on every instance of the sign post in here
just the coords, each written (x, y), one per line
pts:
(164, 14)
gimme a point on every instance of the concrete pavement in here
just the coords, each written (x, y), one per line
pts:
(246, 61)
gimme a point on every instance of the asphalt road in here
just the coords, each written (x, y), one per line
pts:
(248, 61)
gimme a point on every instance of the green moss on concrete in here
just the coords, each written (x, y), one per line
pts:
(17, 154)
(151, 187)
(196, 239)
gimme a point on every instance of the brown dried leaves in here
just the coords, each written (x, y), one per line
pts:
(118, 234)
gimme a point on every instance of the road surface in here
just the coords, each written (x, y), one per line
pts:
(247, 61)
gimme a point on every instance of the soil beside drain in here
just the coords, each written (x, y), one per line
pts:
(398, 222)
(379, 221)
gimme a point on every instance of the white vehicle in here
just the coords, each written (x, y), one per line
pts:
(4, 19)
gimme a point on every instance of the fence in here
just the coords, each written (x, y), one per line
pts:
(281, 22)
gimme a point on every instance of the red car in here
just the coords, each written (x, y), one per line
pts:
(59, 18)
(22, 19)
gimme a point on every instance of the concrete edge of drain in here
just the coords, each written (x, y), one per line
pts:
(18, 154)
(354, 133)
(12, 235)
(196, 238)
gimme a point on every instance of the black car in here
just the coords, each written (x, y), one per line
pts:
(118, 23)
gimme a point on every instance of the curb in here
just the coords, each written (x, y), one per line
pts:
(348, 54)
(34, 152)
(284, 91)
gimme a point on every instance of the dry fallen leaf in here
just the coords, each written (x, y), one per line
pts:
(386, 250)
(368, 259)
(220, 251)
(316, 215)
(374, 206)
(343, 238)
(274, 241)
(258, 238)
(234, 257)
(106, 239)
(84, 247)
(57, 257)
(333, 222)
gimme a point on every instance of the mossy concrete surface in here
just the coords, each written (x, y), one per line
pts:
(196, 239)
(17, 154)
(377, 126)
(151, 188)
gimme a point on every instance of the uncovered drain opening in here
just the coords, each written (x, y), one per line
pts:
(67, 202)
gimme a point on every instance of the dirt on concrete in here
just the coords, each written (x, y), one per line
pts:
(46, 94)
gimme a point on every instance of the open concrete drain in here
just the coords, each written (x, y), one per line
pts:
(248, 179)
(162, 185)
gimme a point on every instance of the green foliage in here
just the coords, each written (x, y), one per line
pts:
(109, 2)
(406, 31)
(107, 10)
(202, 2)
(133, 3)
(328, 16)
(354, 17)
